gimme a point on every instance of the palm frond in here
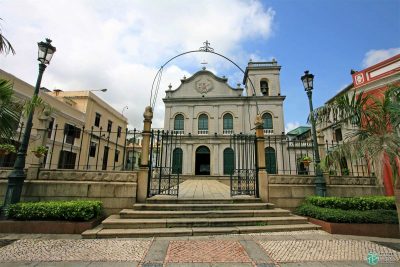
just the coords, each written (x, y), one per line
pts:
(5, 45)
(377, 135)
(9, 111)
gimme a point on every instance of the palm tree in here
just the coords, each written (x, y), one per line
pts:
(5, 45)
(375, 133)
(10, 111)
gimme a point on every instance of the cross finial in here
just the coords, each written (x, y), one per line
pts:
(207, 47)
(204, 63)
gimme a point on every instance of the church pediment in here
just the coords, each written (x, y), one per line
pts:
(204, 83)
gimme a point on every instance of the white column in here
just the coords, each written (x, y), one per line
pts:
(214, 160)
(188, 162)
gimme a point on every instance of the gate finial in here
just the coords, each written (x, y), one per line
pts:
(258, 122)
(148, 113)
(207, 47)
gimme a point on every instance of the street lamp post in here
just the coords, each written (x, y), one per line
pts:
(320, 184)
(17, 176)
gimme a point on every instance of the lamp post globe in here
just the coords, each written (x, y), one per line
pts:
(320, 184)
(17, 176)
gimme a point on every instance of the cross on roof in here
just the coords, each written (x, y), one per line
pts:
(204, 63)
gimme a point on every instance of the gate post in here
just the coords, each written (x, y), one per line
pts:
(142, 183)
(262, 173)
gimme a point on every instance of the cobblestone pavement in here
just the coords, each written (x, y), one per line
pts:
(302, 248)
(206, 251)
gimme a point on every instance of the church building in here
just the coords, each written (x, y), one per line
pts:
(206, 111)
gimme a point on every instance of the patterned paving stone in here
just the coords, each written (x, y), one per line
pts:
(216, 251)
(292, 233)
(74, 250)
(326, 250)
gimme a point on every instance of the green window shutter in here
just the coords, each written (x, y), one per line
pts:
(179, 122)
(270, 160)
(229, 161)
(228, 122)
(177, 161)
(203, 122)
(267, 118)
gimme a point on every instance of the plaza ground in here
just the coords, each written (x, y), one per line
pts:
(300, 248)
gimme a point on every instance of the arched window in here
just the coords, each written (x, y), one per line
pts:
(177, 158)
(268, 126)
(203, 124)
(270, 160)
(228, 161)
(228, 124)
(264, 87)
(179, 124)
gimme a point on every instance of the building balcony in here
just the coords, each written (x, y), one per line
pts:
(268, 131)
(227, 132)
(177, 132)
(202, 132)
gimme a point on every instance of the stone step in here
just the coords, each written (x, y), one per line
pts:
(115, 222)
(175, 200)
(203, 206)
(142, 214)
(151, 232)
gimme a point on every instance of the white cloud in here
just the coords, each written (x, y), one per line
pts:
(120, 45)
(375, 56)
(291, 125)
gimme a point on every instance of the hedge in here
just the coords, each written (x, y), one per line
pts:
(348, 216)
(80, 210)
(354, 203)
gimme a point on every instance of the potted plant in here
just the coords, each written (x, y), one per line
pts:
(40, 151)
(306, 160)
(6, 149)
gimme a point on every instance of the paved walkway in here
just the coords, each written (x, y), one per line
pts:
(302, 248)
(205, 189)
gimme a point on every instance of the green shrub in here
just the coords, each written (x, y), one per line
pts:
(354, 203)
(80, 210)
(348, 216)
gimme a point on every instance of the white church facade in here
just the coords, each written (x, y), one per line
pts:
(206, 111)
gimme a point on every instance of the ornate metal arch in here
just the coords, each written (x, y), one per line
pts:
(204, 49)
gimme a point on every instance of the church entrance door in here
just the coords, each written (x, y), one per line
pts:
(202, 161)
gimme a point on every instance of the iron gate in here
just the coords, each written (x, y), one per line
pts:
(165, 164)
(244, 177)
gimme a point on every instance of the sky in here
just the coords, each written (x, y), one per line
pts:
(120, 45)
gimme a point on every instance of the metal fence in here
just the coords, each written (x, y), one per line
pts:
(70, 147)
(285, 156)
(244, 174)
(165, 163)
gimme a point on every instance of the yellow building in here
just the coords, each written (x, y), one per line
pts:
(103, 139)
(81, 132)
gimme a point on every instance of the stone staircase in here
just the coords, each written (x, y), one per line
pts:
(187, 217)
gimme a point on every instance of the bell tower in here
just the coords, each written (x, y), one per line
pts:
(264, 76)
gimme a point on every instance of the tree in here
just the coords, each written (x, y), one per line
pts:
(10, 111)
(376, 136)
(5, 45)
